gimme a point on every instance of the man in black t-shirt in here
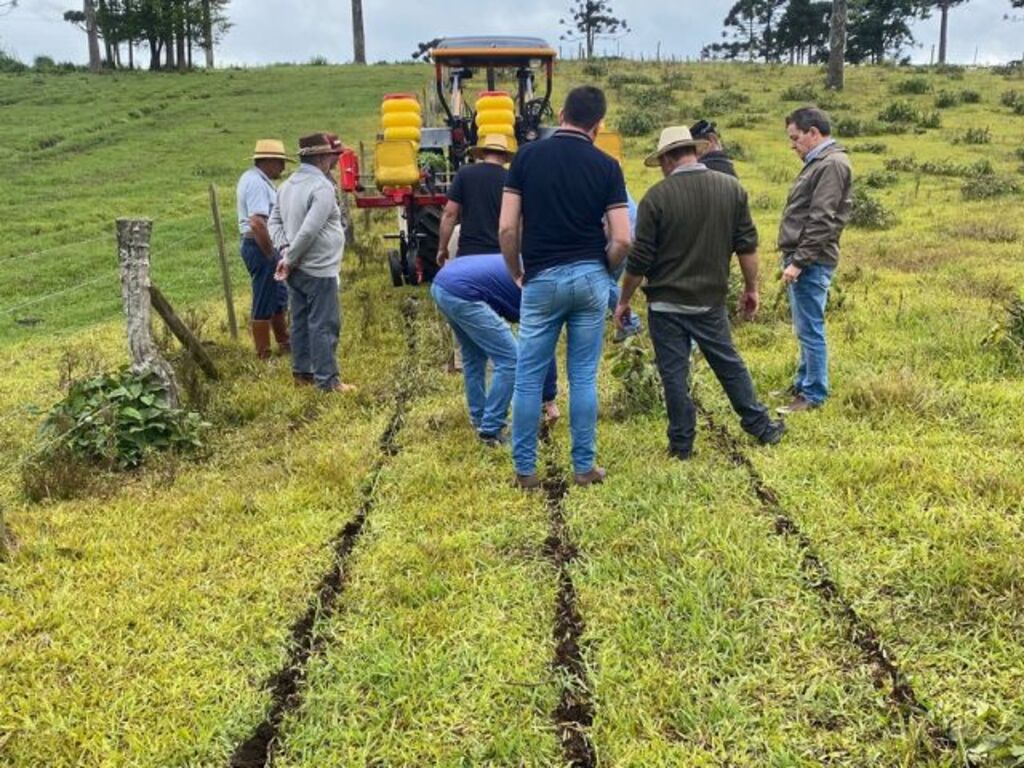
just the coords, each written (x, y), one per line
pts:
(474, 201)
(558, 194)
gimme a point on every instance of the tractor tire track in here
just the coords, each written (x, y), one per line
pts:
(286, 686)
(574, 714)
(818, 578)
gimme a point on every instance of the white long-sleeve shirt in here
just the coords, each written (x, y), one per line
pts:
(306, 223)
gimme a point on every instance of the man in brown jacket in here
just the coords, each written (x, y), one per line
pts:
(688, 226)
(817, 210)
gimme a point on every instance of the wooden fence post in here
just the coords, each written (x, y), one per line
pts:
(225, 273)
(133, 254)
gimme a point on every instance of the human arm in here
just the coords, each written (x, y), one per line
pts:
(618, 236)
(261, 234)
(630, 283)
(744, 243)
(322, 203)
(449, 218)
(750, 301)
(509, 224)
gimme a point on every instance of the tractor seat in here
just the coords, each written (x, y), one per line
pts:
(394, 164)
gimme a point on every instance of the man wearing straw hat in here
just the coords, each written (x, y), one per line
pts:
(307, 229)
(474, 200)
(256, 198)
(688, 227)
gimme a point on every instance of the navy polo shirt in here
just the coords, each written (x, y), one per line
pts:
(567, 186)
(477, 188)
(482, 278)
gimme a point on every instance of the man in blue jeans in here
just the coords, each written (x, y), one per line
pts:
(558, 192)
(479, 299)
(818, 208)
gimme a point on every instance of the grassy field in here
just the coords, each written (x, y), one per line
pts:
(352, 581)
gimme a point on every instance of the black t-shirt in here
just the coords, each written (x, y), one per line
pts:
(477, 188)
(567, 185)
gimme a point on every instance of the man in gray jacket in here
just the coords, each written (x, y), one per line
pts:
(307, 231)
(817, 210)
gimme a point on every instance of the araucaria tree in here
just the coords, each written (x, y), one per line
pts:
(590, 20)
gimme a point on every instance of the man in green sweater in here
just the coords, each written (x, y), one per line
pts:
(688, 226)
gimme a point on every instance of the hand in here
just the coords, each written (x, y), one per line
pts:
(283, 270)
(518, 280)
(442, 257)
(749, 303)
(791, 274)
(622, 314)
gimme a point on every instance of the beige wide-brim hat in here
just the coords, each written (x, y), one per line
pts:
(493, 142)
(674, 137)
(270, 149)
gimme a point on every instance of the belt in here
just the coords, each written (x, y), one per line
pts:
(248, 236)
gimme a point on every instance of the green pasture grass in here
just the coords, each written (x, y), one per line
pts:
(138, 627)
(441, 655)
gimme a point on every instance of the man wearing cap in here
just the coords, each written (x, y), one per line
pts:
(474, 200)
(307, 229)
(714, 157)
(557, 195)
(688, 226)
(479, 299)
(256, 198)
(816, 212)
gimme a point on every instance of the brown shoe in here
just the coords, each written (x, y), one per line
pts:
(279, 325)
(342, 388)
(303, 379)
(594, 476)
(526, 482)
(798, 404)
(261, 338)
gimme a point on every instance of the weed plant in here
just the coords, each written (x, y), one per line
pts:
(912, 86)
(639, 386)
(988, 186)
(974, 136)
(869, 212)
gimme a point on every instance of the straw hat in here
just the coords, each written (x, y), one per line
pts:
(320, 144)
(270, 149)
(492, 142)
(674, 137)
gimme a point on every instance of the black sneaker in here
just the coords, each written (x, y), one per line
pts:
(493, 440)
(773, 433)
(680, 454)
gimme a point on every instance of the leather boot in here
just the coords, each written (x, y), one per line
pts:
(280, 327)
(261, 338)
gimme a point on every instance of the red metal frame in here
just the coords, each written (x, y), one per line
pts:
(400, 197)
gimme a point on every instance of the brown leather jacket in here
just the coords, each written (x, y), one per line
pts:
(817, 209)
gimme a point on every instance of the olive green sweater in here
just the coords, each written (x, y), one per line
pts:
(688, 226)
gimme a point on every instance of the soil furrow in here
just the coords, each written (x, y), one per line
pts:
(574, 714)
(818, 577)
(286, 685)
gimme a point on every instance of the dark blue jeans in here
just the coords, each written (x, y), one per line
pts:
(269, 297)
(483, 335)
(807, 299)
(672, 334)
(316, 326)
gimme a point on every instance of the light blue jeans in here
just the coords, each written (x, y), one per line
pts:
(574, 296)
(807, 299)
(316, 326)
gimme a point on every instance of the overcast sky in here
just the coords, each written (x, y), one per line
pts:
(267, 31)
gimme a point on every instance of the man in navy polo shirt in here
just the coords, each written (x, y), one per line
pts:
(557, 195)
(477, 296)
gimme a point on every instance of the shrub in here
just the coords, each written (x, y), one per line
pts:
(851, 127)
(735, 150)
(654, 98)
(639, 385)
(1019, 153)
(907, 164)
(805, 92)
(946, 99)
(724, 101)
(619, 79)
(929, 120)
(869, 213)
(746, 120)
(968, 96)
(974, 136)
(1007, 335)
(44, 64)
(898, 112)
(913, 85)
(880, 179)
(952, 71)
(595, 68)
(945, 168)
(870, 147)
(115, 420)
(637, 122)
(1011, 98)
(989, 186)
(9, 64)
(319, 61)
